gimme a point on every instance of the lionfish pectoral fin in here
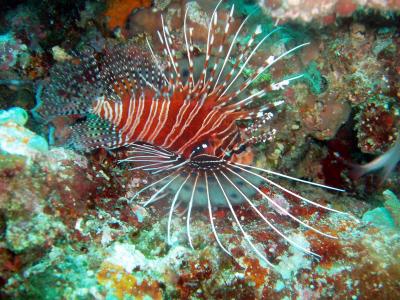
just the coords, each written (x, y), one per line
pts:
(71, 90)
(235, 197)
(218, 176)
(47, 109)
(174, 204)
(93, 133)
(266, 220)
(209, 183)
(255, 171)
(152, 159)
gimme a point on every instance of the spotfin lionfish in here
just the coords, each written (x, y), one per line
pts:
(183, 129)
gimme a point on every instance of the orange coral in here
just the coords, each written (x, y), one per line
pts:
(255, 272)
(125, 284)
(246, 157)
(118, 11)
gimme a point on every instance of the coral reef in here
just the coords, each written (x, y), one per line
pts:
(377, 125)
(70, 228)
(11, 50)
(325, 11)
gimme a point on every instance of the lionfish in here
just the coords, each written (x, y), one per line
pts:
(185, 129)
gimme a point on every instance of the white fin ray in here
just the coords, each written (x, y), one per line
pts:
(274, 228)
(171, 210)
(209, 205)
(244, 233)
(190, 212)
(280, 208)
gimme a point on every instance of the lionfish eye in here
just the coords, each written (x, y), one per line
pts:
(199, 149)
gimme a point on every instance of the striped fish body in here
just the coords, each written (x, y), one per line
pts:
(176, 124)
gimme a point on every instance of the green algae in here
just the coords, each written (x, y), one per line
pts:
(11, 162)
(314, 79)
(23, 235)
(379, 216)
(64, 273)
(15, 114)
(387, 216)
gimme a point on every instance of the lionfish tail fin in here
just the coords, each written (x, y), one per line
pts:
(93, 133)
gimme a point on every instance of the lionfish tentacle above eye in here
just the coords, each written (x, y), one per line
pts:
(184, 132)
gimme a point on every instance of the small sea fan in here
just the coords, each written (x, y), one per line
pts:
(184, 129)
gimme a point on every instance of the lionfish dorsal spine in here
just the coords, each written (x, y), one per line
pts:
(169, 51)
(230, 49)
(158, 64)
(189, 49)
(220, 49)
(210, 42)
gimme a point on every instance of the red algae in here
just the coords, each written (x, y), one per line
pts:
(188, 283)
(330, 250)
(377, 127)
(345, 8)
(118, 11)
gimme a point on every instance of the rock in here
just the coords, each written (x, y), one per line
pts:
(15, 138)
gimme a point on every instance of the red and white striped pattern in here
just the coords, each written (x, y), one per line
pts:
(175, 125)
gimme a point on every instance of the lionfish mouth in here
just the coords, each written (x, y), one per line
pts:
(206, 163)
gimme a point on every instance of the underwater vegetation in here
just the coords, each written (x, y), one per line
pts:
(199, 150)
